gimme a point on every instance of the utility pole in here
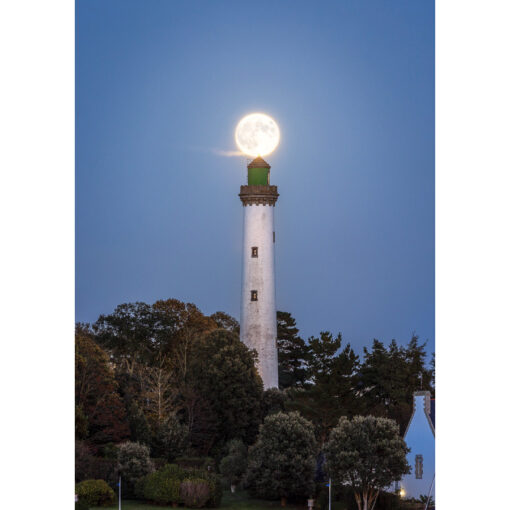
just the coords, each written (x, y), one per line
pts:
(430, 492)
(120, 490)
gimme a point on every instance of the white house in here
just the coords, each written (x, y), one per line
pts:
(420, 438)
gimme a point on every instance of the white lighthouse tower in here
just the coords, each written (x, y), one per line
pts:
(258, 306)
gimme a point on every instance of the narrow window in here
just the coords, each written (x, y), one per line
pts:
(254, 252)
(274, 237)
(418, 466)
(254, 295)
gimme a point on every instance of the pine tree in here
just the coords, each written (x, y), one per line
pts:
(292, 353)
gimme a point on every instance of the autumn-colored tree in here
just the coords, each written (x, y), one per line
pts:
(186, 323)
(132, 334)
(225, 321)
(96, 392)
(139, 333)
(159, 393)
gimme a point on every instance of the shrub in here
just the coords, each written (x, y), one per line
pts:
(163, 486)
(95, 493)
(81, 505)
(214, 481)
(169, 439)
(388, 501)
(90, 467)
(134, 462)
(233, 465)
(195, 492)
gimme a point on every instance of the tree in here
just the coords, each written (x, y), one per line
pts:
(233, 465)
(225, 321)
(292, 352)
(141, 333)
(138, 425)
(159, 393)
(186, 323)
(96, 392)
(368, 454)
(169, 438)
(322, 354)
(273, 401)
(81, 426)
(333, 392)
(132, 333)
(281, 464)
(390, 376)
(133, 463)
(222, 372)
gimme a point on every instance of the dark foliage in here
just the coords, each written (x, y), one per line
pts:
(293, 353)
(222, 372)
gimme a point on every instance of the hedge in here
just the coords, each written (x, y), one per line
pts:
(95, 493)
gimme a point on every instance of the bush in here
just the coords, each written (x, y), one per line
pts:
(95, 493)
(195, 492)
(214, 481)
(163, 486)
(90, 467)
(81, 505)
(388, 501)
(134, 462)
(233, 465)
(169, 439)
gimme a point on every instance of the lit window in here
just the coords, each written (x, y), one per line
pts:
(254, 295)
(254, 252)
(418, 466)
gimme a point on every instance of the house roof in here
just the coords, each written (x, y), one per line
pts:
(429, 410)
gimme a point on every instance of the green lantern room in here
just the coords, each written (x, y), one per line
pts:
(258, 172)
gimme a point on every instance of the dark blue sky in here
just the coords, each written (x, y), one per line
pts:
(160, 86)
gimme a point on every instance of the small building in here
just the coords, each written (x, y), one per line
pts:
(420, 438)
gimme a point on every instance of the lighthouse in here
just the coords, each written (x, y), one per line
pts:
(258, 301)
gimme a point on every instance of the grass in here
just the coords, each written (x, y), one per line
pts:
(237, 501)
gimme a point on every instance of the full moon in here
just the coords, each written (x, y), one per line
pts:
(257, 134)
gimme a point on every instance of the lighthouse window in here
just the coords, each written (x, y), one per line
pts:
(254, 252)
(418, 466)
(254, 295)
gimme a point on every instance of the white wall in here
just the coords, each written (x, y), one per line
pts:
(420, 438)
(258, 318)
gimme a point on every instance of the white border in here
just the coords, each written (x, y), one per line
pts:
(37, 254)
(473, 252)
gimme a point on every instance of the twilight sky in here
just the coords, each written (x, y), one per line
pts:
(160, 87)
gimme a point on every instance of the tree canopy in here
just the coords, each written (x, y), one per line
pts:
(368, 454)
(281, 464)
